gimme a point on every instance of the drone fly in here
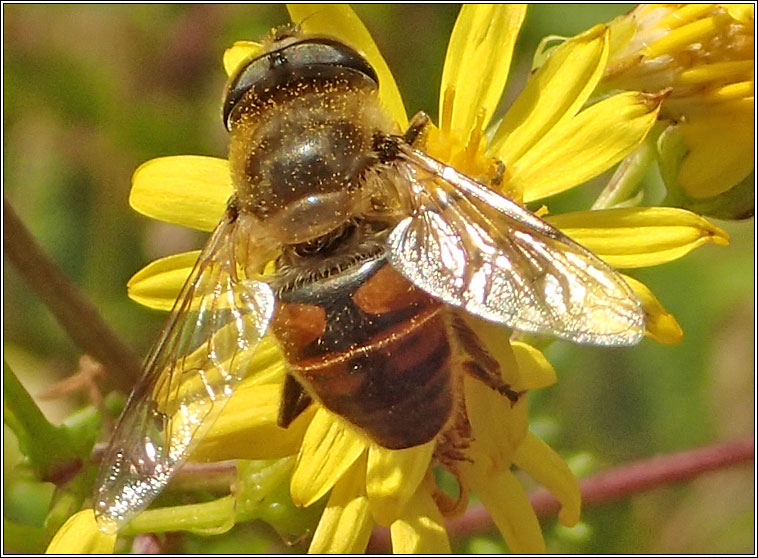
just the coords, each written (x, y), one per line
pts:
(378, 250)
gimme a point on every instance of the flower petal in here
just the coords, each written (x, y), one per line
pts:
(536, 372)
(238, 53)
(744, 13)
(505, 499)
(187, 190)
(339, 20)
(738, 202)
(392, 478)
(477, 63)
(329, 449)
(345, 525)
(548, 468)
(159, 283)
(248, 429)
(421, 527)
(639, 237)
(582, 147)
(523, 367)
(721, 152)
(495, 338)
(659, 324)
(497, 425)
(680, 38)
(554, 93)
(80, 534)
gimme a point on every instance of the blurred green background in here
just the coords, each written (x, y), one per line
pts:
(91, 92)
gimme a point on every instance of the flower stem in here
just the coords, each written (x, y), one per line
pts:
(211, 477)
(78, 317)
(214, 517)
(216, 476)
(49, 448)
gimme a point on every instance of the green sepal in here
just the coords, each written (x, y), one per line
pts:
(263, 492)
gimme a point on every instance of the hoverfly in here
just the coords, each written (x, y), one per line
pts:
(378, 249)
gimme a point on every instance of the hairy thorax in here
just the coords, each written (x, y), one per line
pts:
(298, 161)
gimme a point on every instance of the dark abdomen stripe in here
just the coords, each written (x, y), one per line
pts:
(397, 388)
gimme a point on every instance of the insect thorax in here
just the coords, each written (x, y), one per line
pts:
(298, 161)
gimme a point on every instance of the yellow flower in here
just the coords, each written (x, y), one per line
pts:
(704, 55)
(549, 143)
(81, 535)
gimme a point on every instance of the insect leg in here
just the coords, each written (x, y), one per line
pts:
(481, 365)
(416, 128)
(294, 401)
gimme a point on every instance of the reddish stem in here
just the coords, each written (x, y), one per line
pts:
(614, 484)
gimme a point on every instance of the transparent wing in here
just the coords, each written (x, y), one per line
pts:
(479, 251)
(202, 354)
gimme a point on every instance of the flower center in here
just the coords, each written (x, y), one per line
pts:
(466, 151)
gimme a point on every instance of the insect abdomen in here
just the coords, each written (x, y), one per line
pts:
(374, 350)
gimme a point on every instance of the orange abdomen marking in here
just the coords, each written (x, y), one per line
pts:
(382, 357)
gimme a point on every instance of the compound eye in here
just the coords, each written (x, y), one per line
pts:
(310, 61)
(240, 83)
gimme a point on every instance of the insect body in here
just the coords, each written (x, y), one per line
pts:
(378, 249)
